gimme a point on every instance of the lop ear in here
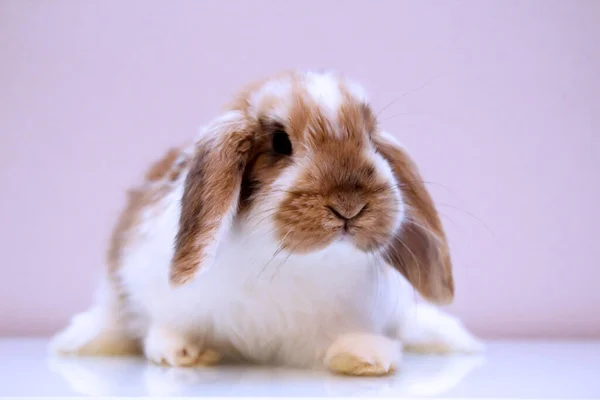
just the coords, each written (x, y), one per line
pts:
(419, 249)
(211, 194)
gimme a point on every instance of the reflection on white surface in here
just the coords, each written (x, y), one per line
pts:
(418, 376)
(532, 370)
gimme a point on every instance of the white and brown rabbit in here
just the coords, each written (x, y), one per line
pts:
(292, 231)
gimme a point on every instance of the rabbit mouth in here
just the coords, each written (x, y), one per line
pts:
(361, 236)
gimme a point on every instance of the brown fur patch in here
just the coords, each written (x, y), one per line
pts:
(299, 114)
(419, 250)
(212, 189)
(160, 168)
(356, 118)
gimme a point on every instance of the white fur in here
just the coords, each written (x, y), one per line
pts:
(281, 90)
(325, 90)
(357, 91)
(386, 171)
(279, 309)
(428, 329)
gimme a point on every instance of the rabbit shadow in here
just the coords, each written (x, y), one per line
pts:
(134, 376)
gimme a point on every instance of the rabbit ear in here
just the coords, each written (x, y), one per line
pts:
(419, 249)
(211, 194)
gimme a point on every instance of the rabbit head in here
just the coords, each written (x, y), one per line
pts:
(305, 149)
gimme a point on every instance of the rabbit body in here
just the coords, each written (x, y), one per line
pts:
(256, 303)
(292, 231)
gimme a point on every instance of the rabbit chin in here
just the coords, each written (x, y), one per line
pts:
(345, 237)
(342, 238)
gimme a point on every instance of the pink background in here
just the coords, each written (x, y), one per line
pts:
(499, 102)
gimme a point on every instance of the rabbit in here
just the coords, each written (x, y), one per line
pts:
(291, 231)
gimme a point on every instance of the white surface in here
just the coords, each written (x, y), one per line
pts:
(507, 369)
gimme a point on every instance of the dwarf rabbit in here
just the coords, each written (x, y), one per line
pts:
(293, 230)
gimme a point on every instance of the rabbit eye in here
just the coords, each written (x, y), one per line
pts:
(281, 143)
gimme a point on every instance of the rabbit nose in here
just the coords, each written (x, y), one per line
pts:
(346, 213)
